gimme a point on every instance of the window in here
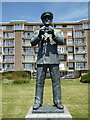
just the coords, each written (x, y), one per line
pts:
(8, 43)
(61, 66)
(8, 51)
(60, 49)
(28, 34)
(36, 27)
(80, 65)
(79, 57)
(79, 41)
(29, 58)
(28, 66)
(19, 26)
(0, 50)
(80, 49)
(58, 26)
(0, 58)
(28, 50)
(0, 42)
(8, 66)
(70, 41)
(70, 49)
(69, 33)
(62, 57)
(1, 34)
(8, 35)
(28, 28)
(27, 43)
(78, 34)
(70, 57)
(8, 58)
(36, 50)
(69, 26)
(70, 65)
(64, 25)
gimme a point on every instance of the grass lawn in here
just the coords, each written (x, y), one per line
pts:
(18, 98)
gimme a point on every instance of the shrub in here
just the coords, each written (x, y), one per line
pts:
(16, 75)
(19, 81)
(85, 78)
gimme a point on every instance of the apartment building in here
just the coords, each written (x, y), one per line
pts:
(16, 52)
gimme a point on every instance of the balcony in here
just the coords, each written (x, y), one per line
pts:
(29, 61)
(8, 69)
(62, 52)
(8, 45)
(26, 44)
(8, 61)
(71, 60)
(80, 52)
(79, 36)
(8, 28)
(63, 68)
(70, 44)
(81, 60)
(81, 44)
(28, 28)
(81, 68)
(8, 53)
(6, 37)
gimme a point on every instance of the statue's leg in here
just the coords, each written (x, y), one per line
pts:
(55, 76)
(41, 74)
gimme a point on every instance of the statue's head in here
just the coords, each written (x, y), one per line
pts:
(47, 18)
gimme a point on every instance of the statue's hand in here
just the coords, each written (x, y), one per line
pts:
(51, 31)
(41, 32)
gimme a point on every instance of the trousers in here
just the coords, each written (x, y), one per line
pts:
(56, 87)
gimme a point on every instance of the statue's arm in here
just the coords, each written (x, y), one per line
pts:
(35, 39)
(59, 38)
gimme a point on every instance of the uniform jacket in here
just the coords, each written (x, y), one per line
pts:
(47, 53)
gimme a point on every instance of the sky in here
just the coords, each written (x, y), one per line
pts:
(31, 11)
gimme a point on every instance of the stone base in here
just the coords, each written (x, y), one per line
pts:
(48, 109)
(48, 116)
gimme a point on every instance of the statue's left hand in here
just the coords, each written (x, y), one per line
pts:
(51, 31)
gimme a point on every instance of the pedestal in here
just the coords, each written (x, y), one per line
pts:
(48, 112)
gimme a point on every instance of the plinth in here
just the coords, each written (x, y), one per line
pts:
(48, 112)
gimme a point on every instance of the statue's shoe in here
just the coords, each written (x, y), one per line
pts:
(36, 106)
(59, 106)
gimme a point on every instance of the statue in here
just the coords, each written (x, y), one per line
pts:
(47, 38)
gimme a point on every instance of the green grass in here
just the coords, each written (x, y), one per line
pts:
(18, 98)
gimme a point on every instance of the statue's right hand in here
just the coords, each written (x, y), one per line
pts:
(41, 32)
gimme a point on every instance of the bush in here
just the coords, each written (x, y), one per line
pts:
(85, 78)
(19, 81)
(16, 75)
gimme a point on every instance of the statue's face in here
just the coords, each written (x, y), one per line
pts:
(47, 20)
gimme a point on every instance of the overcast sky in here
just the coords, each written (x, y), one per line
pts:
(31, 11)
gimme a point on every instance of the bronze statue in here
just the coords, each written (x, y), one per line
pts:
(47, 38)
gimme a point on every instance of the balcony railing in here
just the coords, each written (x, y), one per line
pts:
(80, 51)
(31, 61)
(81, 68)
(62, 52)
(8, 61)
(79, 43)
(8, 53)
(9, 36)
(8, 45)
(70, 60)
(63, 68)
(29, 53)
(80, 60)
(26, 44)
